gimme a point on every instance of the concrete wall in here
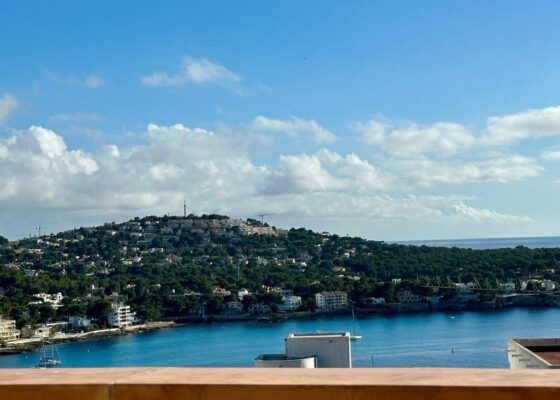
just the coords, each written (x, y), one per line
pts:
(278, 384)
(521, 358)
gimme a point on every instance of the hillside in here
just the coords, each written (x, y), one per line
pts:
(177, 266)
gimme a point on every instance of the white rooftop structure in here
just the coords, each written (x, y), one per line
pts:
(311, 350)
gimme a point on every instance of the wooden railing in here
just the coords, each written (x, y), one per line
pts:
(278, 384)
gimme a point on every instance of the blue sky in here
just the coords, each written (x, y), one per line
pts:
(388, 119)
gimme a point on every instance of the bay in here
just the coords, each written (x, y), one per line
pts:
(478, 340)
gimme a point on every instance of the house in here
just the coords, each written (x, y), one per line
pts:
(242, 293)
(78, 321)
(50, 329)
(290, 303)
(407, 297)
(234, 308)
(218, 291)
(259, 308)
(375, 301)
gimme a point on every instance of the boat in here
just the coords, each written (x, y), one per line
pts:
(47, 360)
(353, 336)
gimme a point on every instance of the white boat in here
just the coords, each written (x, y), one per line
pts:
(49, 360)
(353, 336)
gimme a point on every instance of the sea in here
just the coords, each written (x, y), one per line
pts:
(490, 243)
(469, 339)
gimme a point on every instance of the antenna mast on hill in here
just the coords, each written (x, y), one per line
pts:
(184, 209)
(262, 215)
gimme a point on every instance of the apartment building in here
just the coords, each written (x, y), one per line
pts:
(121, 315)
(8, 330)
(331, 301)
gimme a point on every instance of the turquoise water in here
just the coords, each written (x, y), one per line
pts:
(491, 243)
(405, 340)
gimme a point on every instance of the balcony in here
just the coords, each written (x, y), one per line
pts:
(277, 384)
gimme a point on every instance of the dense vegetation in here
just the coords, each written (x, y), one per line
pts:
(175, 270)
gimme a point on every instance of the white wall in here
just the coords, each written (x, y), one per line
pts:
(332, 351)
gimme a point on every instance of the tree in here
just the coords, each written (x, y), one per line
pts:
(99, 310)
(148, 313)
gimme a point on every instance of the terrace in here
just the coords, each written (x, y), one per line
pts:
(277, 384)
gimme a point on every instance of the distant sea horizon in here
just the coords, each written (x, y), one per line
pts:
(488, 243)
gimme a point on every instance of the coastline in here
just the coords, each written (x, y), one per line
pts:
(28, 345)
(32, 344)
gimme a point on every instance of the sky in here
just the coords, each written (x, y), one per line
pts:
(390, 120)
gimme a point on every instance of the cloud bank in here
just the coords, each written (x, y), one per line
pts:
(215, 173)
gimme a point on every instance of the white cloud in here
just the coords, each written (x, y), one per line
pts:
(448, 138)
(482, 215)
(551, 154)
(8, 104)
(36, 167)
(372, 132)
(294, 127)
(425, 172)
(214, 173)
(439, 138)
(383, 207)
(507, 129)
(193, 70)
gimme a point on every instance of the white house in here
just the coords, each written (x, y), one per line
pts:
(54, 299)
(242, 293)
(78, 321)
(290, 303)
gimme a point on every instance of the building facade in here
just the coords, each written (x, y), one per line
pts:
(8, 330)
(407, 297)
(311, 350)
(290, 303)
(121, 315)
(331, 301)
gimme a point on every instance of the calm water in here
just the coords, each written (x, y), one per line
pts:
(405, 340)
(494, 243)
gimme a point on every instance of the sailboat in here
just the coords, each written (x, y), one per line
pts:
(353, 336)
(49, 360)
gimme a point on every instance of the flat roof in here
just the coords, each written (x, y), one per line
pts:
(547, 349)
(320, 334)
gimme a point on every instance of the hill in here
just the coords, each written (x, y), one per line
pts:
(169, 266)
